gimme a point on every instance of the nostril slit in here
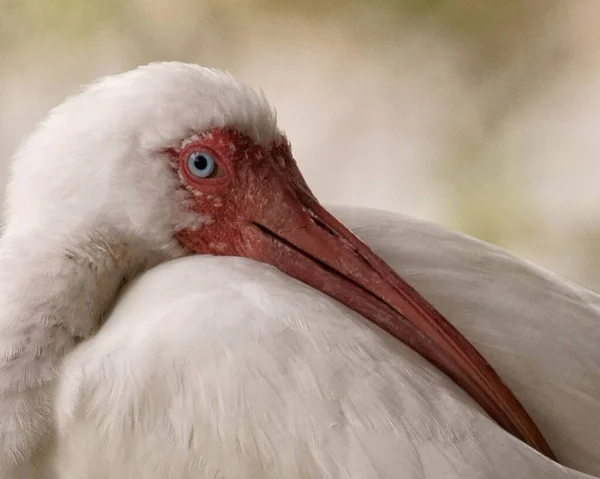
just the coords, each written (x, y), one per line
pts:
(323, 226)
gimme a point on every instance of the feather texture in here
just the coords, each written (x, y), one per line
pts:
(226, 368)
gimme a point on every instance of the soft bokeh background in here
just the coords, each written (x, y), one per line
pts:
(480, 115)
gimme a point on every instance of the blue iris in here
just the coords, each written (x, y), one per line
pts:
(200, 164)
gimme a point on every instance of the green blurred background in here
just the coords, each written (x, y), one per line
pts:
(480, 115)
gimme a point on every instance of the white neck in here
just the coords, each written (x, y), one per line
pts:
(50, 300)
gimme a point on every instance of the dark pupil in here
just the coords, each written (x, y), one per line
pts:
(200, 162)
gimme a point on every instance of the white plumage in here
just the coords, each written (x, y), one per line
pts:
(226, 368)
(240, 371)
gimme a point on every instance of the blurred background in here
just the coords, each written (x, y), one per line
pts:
(481, 116)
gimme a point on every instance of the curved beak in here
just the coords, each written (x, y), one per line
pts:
(303, 240)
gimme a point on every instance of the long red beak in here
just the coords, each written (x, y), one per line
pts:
(303, 240)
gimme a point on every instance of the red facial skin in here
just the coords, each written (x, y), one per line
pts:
(262, 209)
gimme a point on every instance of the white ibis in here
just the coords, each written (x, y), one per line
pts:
(170, 160)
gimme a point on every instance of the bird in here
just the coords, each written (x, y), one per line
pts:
(153, 165)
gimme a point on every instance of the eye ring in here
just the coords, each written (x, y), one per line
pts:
(201, 164)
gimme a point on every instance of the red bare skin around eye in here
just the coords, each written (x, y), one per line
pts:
(238, 196)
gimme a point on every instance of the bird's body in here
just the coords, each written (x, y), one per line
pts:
(222, 367)
(226, 368)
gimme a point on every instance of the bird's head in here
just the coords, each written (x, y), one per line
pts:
(154, 152)
(189, 160)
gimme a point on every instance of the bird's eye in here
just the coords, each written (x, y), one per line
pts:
(201, 164)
